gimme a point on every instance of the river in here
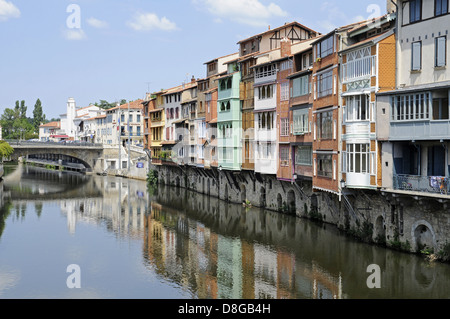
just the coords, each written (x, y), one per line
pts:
(128, 241)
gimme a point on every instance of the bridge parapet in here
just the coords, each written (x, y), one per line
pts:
(33, 144)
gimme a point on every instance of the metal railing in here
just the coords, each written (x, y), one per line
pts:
(264, 74)
(424, 184)
(51, 143)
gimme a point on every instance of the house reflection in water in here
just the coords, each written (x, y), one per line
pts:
(217, 250)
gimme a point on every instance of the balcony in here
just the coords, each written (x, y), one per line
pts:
(265, 135)
(156, 161)
(422, 184)
(420, 130)
(125, 135)
(268, 76)
(229, 94)
(359, 69)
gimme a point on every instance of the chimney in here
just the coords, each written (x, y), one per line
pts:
(193, 79)
(390, 7)
(285, 47)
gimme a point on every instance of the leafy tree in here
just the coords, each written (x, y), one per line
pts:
(17, 110)
(23, 110)
(5, 149)
(38, 115)
(107, 105)
(15, 123)
(7, 121)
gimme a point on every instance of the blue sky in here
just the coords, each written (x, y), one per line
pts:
(112, 50)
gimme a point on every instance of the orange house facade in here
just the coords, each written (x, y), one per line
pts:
(325, 119)
(301, 108)
(368, 68)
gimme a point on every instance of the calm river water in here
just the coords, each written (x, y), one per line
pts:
(131, 242)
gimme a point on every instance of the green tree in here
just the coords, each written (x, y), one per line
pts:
(38, 115)
(5, 149)
(107, 105)
(17, 109)
(7, 121)
(23, 110)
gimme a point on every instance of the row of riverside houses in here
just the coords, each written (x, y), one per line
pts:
(365, 106)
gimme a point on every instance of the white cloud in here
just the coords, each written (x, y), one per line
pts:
(99, 24)
(8, 10)
(74, 34)
(150, 21)
(335, 17)
(250, 12)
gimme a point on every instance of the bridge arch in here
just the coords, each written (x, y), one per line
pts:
(66, 161)
(76, 156)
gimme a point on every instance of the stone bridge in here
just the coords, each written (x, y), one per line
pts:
(79, 156)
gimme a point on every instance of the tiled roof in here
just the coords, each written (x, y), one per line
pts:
(52, 124)
(133, 105)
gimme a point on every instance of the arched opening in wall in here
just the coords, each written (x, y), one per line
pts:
(177, 182)
(423, 238)
(279, 202)
(226, 193)
(243, 194)
(380, 230)
(262, 198)
(291, 202)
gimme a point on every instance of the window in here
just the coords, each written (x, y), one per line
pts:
(415, 10)
(284, 155)
(265, 120)
(325, 84)
(441, 51)
(325, 125)
(440, 108)
(300, 86)
(303, 155)
(324, 165)
(284, 91)
(440, 7)
(248, 150)
(138, 118)
(301, 121)
(325, 47)
(357, 160)
(264, 150)
(284, 127)
(286, 65)
(410, 107)
(358, 108)
(265, 92)
(416, 58)
(229, 131)
(225, 84)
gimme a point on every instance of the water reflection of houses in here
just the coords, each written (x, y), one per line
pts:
(217, 250)
(121, 208)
